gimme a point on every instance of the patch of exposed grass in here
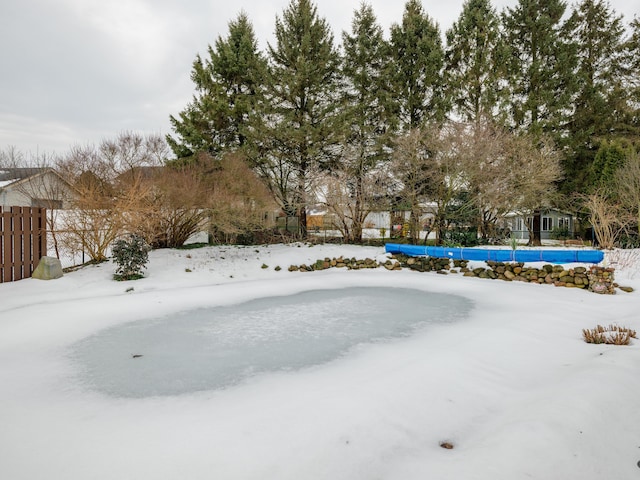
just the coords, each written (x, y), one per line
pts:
(191, 246)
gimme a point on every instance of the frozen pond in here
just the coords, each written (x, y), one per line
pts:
(217, 347)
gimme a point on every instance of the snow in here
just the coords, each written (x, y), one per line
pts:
(511, 384)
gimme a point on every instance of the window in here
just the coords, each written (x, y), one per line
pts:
(564, 222)
(547, 224)
(519, 224)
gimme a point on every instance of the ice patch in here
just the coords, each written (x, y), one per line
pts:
(217, 347)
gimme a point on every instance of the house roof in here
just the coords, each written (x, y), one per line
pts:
(547, 210)
(13, 175)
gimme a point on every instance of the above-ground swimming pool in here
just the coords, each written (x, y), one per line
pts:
(217, 347)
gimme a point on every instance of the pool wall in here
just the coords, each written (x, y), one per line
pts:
(557, 256)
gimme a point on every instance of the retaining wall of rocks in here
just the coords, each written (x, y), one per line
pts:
(595, 279)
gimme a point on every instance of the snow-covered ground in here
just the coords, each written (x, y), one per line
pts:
(512, 386)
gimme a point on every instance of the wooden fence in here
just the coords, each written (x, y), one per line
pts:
(23, 240)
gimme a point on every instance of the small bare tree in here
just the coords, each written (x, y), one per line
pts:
(352, 190)
(627, 180)
(413, 165)
(485, 149)
(432, 172)
(109, 186)
(532, 167)
(606, 217)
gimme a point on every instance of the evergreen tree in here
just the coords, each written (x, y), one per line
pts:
(630, 111)
(541, 66)
(300, 130)
(599, 37)
(474, 62)
(228, 88)
(416, 65)
(366, 103)
(609, 158)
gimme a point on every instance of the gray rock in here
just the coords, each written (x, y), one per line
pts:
(49, 268)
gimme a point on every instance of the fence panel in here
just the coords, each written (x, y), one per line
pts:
(23, 241)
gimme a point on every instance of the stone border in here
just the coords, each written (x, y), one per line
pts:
(595, 279)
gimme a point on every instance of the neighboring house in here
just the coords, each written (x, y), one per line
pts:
(395, 223)
(541, 223)
(34, 187)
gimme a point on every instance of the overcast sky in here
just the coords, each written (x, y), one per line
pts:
(73, 72)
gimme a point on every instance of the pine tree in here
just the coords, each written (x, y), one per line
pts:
(228, 88)
(300, 131)
(416, 67)
(630, 111)
(599, 36)
(366, 102)
(474, 62)
(541, 66)
(609, 158)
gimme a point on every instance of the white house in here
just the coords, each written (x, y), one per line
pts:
(34, 187)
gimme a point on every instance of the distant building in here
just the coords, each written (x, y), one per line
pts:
(34, 187)
(542, 223)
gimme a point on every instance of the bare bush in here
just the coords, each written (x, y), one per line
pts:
(623, 260)
(612, 335)
(108, 188)
(170, 207)
(607, 218)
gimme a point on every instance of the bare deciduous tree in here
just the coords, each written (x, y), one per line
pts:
(109, 186)
(533, 168)
(429, 165)
(485, 149)
(606, 217)
(351, 191)
(463, 166)
(627, 180)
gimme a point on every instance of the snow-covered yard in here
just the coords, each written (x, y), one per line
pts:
(512, 385)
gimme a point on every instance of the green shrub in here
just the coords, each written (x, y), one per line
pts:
(560, 233)
(131, 254)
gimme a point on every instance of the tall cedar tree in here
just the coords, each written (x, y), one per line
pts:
(302, 124)
(599, 36)
(416, 66)
(366, 101)
(474, 62)
(228, 87)
(541, 66)
(630, 112)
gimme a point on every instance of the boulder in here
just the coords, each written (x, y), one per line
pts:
(49, 268)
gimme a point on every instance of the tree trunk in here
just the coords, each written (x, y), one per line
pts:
(535, 239)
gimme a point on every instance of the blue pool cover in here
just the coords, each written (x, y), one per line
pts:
(499, 255)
